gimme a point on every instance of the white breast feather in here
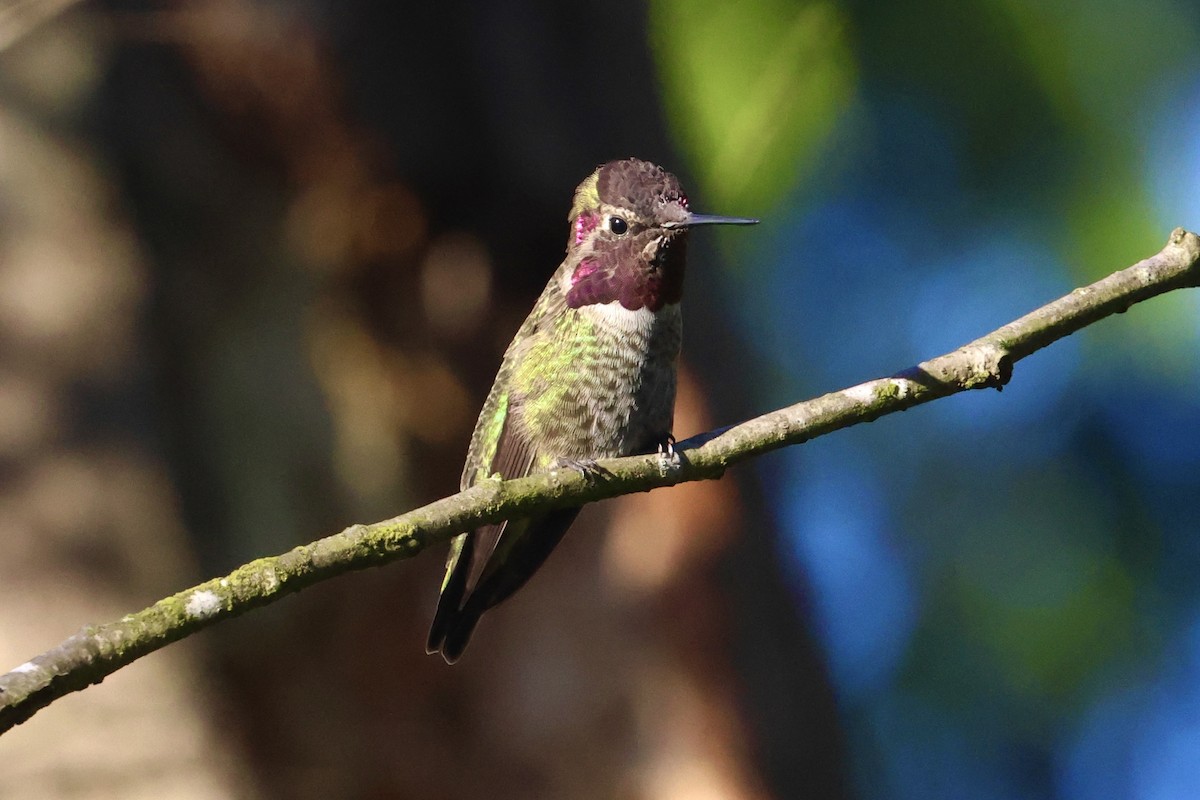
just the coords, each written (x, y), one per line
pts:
(617, 317)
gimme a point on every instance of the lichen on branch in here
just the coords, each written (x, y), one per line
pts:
(97, 651)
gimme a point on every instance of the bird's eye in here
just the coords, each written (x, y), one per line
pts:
(618, 225)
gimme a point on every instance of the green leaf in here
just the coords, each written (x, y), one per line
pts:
(753, 91)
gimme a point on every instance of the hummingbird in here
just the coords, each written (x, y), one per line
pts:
(590, 374)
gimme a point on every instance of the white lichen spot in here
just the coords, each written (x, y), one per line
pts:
(224, 583)
(903, 387)
(270, 580)
(203, 604)
(27, 667)
(863, 393)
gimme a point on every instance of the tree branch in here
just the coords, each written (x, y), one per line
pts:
(97, 651)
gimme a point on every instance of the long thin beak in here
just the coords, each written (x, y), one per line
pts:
(710, 219)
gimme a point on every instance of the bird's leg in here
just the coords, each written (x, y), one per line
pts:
(586, 467)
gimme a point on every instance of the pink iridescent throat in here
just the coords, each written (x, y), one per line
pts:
(623, 275)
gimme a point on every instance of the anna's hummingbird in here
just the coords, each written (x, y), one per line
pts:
(590, 375)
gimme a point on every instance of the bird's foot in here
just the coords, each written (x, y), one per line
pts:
(586, 467)
(666, 452)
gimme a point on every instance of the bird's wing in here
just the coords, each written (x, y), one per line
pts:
(512, 455)
(498, 446)
(508, 454)
(514, 458)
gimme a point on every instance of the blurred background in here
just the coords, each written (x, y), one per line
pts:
(258, 264)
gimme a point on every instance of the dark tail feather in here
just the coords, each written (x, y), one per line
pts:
(525, 557)
(459, 629)
(449, 603)
(452, 626)
(455, 619)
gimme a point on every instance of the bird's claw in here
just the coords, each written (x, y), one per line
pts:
(666, 451)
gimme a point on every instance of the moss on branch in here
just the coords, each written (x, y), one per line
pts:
(97, 651)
